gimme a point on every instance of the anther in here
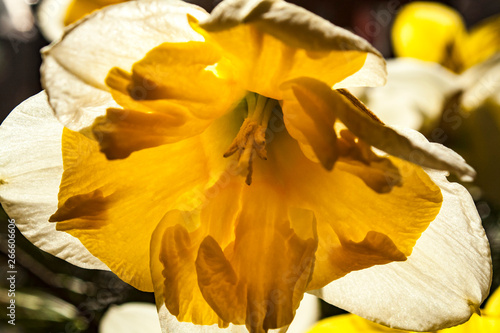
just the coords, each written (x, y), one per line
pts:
(251, 138)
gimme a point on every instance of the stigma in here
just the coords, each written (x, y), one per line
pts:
(251, 138)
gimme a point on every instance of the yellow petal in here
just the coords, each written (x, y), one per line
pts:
(309, 121)
(482, 42)
(131, 196)
(181, 293)
(175, 245)
(173, 93)
(483, 324)
(430, 32)
(79, 8)
(366, 126)
(222, 271)
(276, 41)
(122, 132)
(492, 307)
(379, 173)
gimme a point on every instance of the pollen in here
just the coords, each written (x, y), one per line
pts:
(251, 138)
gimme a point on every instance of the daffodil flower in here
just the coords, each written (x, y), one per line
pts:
(219, 161)
(436, 33)
(487, 322)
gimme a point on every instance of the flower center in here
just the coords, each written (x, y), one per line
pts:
(251, 138)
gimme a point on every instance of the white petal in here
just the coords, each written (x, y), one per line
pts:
(300, 28)
(130, 318)
(50, 15)
(75, 68)
(441, 284)
(30, 173)
(307, 314)
(414, 95)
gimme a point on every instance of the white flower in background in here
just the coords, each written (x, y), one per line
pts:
(450, 88)
(130, 318)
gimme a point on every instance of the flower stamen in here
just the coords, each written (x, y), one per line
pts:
(251, 138)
